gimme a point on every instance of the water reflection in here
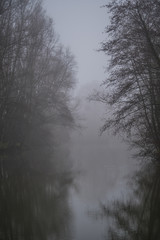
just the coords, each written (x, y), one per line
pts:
(138, 216)
(34, 199)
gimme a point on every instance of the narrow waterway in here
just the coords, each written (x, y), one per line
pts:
(50, 195)
(59, 178)
(104, 163)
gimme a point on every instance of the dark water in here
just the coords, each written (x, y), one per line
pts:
(46, 198)
(104, 173)
(137, 216)
(34, 200)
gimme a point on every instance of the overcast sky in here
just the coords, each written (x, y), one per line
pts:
(80, 24)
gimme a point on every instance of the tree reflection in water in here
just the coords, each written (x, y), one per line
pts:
(33, 201)
(137, 218)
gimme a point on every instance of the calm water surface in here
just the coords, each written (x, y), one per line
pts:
(56, 199)
(103, 177)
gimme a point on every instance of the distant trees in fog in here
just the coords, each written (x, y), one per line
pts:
(36, 74)
(133, 84)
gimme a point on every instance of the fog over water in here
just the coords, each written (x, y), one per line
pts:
(60, 179)
(104, 161)
(105, 164)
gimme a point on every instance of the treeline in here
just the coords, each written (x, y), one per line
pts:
(36, 76)
(132, 87)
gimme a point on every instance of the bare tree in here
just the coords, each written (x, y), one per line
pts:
(36, 72)
(133, 85)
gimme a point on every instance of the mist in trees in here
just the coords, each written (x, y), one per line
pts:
(131, 95)
(37, 75)
(133, 87)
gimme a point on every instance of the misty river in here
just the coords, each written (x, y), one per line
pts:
(79, 133)
(74, 199)
(60, 203)
(87, 188)
(61, 198)
(104, 164)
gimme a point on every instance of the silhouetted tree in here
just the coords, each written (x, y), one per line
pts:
(36, 76)
(36, 73)
(133, 84)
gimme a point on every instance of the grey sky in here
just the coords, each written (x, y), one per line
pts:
(80, 24)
